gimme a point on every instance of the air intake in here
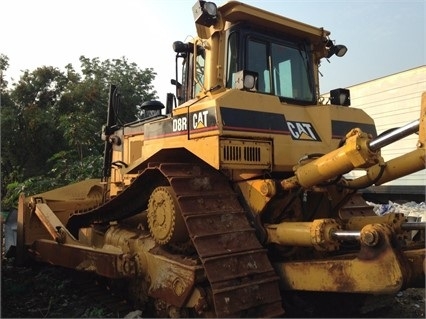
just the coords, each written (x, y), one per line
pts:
(242, 153)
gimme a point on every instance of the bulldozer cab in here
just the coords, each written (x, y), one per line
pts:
(258, 54)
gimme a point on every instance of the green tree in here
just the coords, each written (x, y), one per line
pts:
(4, 65)
(51, 128)
(6, 111)
(135, 85)
(29, 133)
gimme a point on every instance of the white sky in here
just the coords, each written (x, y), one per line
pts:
(383, 37)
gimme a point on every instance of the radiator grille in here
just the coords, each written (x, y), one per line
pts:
(232, 153)
(240, 152)
(252, 154)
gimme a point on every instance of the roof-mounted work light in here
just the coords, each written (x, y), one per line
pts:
(205, 13)
(339, 49)
(340, 97)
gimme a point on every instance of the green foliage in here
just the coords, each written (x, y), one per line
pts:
(4, 64)
(30, 186)
(51, 122)
(68, 170)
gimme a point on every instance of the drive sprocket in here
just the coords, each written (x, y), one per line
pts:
(165, 220)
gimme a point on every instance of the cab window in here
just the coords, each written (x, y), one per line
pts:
(282, 64)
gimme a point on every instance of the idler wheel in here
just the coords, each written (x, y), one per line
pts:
(165, 220)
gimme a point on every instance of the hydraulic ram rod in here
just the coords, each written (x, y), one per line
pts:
(393, 136)
(339, 234)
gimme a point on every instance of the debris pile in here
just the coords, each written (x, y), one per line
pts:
(417, 211)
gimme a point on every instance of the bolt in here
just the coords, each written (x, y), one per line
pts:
(370, 237)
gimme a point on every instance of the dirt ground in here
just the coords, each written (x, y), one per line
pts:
(49, 292)
(44, 291)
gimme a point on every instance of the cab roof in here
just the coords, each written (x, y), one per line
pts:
(235, 11)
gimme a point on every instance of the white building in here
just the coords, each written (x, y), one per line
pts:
(393, 101)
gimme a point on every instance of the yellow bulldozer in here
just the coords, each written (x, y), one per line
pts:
(232, 199)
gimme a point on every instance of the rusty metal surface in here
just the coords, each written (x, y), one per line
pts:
(216, 223)
(356, 206)
(255, 298)
(416, 260)
(376, 269)
(220, 233)
(242, 279)
(225, 243)
(82, 258)
(225, 267)
(170, 280)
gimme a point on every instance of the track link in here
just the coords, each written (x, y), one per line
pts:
(243, 281)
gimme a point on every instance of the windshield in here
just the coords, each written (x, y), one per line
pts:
(282, 66)
(282, 69)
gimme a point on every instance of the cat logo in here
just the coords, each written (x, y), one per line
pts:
(302, 131)
(199, 120)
